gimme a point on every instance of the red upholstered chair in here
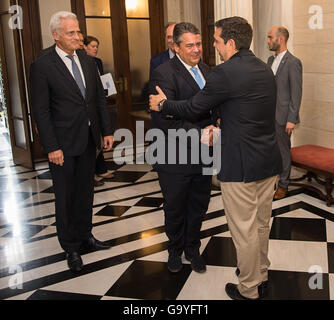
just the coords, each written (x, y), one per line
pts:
(318, 162)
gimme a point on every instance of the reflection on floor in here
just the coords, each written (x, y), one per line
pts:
(128, 215)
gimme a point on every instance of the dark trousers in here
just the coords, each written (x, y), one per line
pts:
(74, 191)
(100, 167)
(284, 143)
(187, 199)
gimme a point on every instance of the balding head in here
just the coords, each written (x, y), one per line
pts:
(277, 39)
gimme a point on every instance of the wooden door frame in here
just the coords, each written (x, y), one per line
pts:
(32, 44)
(121, 46)
(27, 42)
(208, 29)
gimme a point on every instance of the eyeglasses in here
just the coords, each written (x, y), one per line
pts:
(73, 33)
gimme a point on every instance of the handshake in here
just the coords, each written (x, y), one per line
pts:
(210, 135)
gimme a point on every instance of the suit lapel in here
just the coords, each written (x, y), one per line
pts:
(205, 71)
(185, 73)
(283, 62)
(61, 67)
(271, 61)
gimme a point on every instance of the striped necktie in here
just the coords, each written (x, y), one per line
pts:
(77, 76)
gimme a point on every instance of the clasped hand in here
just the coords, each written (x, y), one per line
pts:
(210, 135)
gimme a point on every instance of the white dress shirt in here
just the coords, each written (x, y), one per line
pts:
(171, 54)
(63, 55)
(277, 61)
(188, 67)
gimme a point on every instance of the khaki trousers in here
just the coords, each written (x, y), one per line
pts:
(248, 208)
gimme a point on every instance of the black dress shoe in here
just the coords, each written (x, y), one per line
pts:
(262, 288)
(233, 292)
(74, 261)
(94, 244)
(197, 263)
(98, 183)
(174, 263)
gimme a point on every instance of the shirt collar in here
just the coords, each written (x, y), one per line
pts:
(188, 67)
(62, 53)
(281, 55)
(171, 53)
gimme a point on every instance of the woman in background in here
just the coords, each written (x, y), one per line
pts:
(91, 46)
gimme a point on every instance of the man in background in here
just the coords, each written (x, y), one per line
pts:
(288, 72)
(169, 53)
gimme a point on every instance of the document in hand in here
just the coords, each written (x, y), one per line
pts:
(109, 84)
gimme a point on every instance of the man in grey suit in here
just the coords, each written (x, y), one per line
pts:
(289, 77)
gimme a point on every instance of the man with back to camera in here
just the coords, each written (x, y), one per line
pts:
(288, 72)
(186, 192)
(70, 111)
(244, 87)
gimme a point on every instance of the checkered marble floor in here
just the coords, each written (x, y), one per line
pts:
(128, 215)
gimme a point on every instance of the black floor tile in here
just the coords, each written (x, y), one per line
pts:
(48, 190)
(286, 285)
(150, 280)
(26, 231)
(54, 295)
(150, 202)
(111, 165)
(112, 211)
(44, 175)
(5, 183)
(330, 248)
(220, 251)
(298, 229)
(128, 176)
(17, 196)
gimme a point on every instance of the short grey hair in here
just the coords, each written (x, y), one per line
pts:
(55, 21)
(182, 28)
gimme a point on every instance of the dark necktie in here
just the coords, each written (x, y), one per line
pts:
(77, 76)
(197, 77)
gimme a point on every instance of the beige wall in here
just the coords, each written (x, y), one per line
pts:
(315, 48)
(47, 8)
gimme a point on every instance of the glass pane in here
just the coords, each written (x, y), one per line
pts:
(20, 138)
(13, 81)
(140, 54)
(2, 91)
(101, 29)
(97, 8)
(137, 9)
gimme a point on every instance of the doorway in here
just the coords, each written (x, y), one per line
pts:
(130, 32)
(5, 147)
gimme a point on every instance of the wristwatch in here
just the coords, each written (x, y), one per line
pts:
(161, 104)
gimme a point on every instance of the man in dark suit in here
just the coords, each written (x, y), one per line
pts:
(71, 115)
(288, 72)
(186, 192)
(244, 87)
(169, 53)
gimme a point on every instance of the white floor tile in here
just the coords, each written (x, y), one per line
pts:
(297, 255)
